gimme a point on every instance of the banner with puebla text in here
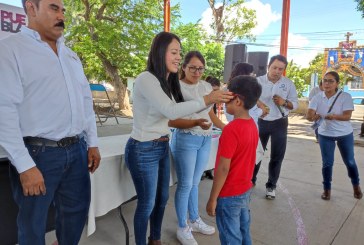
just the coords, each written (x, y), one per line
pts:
(11, 19)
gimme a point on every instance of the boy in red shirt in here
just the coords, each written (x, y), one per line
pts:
(230, 194)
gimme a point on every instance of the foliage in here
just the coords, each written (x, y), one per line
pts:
(214, 55)
(360, 6)
(317, 65)
(232, 20)
(113, 37)
(193, 37)
(297, 75)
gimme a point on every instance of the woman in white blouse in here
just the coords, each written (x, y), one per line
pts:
(190, 147)
(333, 108)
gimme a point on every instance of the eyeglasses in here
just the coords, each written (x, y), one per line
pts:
(194, 69)
(331, 81)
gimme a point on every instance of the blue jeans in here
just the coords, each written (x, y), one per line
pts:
(190, 155)
(233, 219)
(277, 132)
(346, 147)
(148, 163)
(67, 182)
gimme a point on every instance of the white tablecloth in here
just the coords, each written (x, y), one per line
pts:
(111, 184)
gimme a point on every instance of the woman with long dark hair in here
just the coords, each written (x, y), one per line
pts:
(157, 99)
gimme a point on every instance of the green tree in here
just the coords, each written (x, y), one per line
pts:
(317, 66)
(360, 6)
(232, 20)
(113, 37)
(296, 74)
(193, 37)
(214, 55)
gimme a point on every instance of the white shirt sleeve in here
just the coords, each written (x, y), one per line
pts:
(348, 104)
(292, 96)
(150, 89)
(11, 95)
(91, 129)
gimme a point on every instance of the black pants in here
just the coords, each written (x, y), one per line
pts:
(9, 210)
(277, 132)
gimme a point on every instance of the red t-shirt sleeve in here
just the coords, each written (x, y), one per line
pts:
(227, 143)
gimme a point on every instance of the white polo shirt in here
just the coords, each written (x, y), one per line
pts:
(321, 104)
(285, 88)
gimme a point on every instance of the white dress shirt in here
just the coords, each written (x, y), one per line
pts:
(285, 88)
(321, 104)
(41, 95)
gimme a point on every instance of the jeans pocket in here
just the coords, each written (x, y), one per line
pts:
(34, 150)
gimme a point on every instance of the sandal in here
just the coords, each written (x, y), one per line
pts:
(326, 195)
(357, 192)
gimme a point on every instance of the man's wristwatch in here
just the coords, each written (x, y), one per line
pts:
(285, 103)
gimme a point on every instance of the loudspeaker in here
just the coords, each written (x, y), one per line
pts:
(234, 54)
(260, 62)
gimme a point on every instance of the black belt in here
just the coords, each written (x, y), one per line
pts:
(52, 143)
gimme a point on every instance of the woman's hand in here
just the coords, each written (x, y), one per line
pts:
(203, 123)
(312, 116)
(218, 96)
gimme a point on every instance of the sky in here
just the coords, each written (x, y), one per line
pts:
(314, 24)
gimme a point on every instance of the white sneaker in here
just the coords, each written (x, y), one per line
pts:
(202, 227)
(185, 237)
(270, 194)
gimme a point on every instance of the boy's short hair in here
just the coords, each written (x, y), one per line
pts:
(247, 88)
(214, 81)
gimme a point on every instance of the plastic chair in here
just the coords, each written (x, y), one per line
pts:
(102, 116)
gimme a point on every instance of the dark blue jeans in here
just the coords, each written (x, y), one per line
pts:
(233, 219)
(346, 147)
(277, 132)
(67, 181)
(149, 166)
